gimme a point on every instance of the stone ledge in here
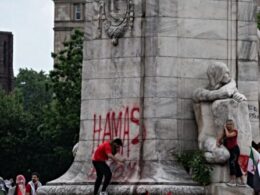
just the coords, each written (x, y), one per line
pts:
(222, 188)
(122, 189)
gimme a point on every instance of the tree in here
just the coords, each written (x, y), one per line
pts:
(33, 87)
(21, 115)
(14, 122)
(62, 116)
(66, 86)
(39, 120)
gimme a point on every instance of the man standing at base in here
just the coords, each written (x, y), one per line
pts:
(104, 151)
(33, 185)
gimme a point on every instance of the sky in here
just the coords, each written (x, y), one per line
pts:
(31, 22)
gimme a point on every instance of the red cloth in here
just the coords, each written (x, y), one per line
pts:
(28, 188)
(19, 192)
(231, 142)
(102, 151)
(243, 161)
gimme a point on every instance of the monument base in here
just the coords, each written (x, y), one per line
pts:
(222, 188)
(124, 189)
(220, 174)
(156, 178)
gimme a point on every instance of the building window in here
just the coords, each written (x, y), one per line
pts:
(77, 12)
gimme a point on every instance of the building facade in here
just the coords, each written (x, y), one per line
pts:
(69, 15)
(6, 61)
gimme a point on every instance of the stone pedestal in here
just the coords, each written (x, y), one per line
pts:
(124, 189)
(210, 119)
(158, 178)
(222, 188)
(220, 174)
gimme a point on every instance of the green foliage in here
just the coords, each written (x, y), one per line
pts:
(60, 127)
(258, 20)
(195, 162)
(33, 87)
(21, 114)
(63, 114)
(39, 120)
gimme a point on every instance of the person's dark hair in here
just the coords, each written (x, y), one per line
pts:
(255, 145)
(118, 141)
(35, 173)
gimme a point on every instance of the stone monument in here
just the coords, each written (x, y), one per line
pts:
(142, 60)
(216, 103)
(213, 106)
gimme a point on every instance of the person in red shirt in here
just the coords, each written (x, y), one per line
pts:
(33, 185)
(230, 136)
(106, 150)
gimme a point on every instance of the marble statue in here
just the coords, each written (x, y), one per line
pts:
(221, 85)
(213, 105)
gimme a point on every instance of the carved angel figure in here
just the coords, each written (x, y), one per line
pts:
(221, 85)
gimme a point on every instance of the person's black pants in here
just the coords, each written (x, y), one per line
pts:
(233, 162)
(102, 169)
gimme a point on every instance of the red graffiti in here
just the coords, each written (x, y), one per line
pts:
(119, 125)
(123, 171)
(125, 125)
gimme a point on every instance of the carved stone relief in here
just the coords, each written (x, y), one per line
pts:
(117, 16)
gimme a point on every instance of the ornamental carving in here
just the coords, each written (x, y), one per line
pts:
(116, 16)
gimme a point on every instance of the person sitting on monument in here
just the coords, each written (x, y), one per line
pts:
(106, 150)
(221, 85)
(230, 138)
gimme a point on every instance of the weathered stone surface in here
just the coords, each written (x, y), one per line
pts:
(154, 87)
(123, 189)
(247, 50)
(231, 109)
(111, 88)
(250, 92)
(191, 48)
(207, 134)
(220, 174)
(211, 118)
(211, 9)
(222, 188)
(248, 71)
(111, 68)
(247, 30)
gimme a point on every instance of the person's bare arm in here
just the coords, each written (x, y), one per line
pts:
(115, 158)
(220, 137)
(27, 193)
(229, 134)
